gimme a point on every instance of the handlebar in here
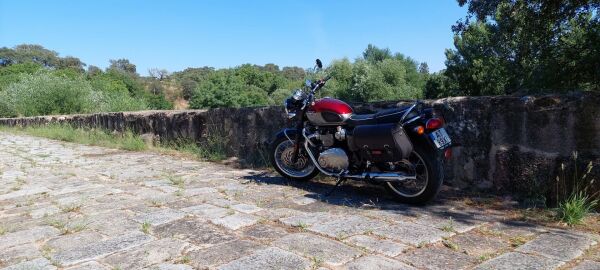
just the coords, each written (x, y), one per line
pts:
(322, 82)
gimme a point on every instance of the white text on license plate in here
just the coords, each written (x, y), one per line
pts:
(440, 138)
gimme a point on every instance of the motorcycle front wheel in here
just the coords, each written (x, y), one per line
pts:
(428, 167)
(282, 153)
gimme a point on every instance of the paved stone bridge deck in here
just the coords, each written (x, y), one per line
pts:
(71, 206)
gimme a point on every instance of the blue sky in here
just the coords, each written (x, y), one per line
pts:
(178, 34)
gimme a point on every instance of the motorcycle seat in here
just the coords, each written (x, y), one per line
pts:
(384, 116)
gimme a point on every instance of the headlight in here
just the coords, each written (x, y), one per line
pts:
(298, 95)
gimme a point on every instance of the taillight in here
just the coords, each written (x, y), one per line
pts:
(419, 130)
(434, 123)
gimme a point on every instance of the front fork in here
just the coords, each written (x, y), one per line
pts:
(297, 141)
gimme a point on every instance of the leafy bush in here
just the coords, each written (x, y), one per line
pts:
(119, 102)
(158, 102)
(45, 93)
(279, 96)
(107, 83)
(226, 89)
(12, 73)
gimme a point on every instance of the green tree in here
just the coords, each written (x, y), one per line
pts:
(424, 68)
(525, 46)
(374, 54)
(93, 71)
(158, 73)
(134, 86)
(122, 65)
(26, 53)
(293, 73)
(187, 88)
(71, 63)
(379, 75)
(156, 88)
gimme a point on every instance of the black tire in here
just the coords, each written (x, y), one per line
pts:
(435, 172)
(272, 153)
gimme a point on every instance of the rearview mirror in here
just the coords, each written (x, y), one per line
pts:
(319, 64)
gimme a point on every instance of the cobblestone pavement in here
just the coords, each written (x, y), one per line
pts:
(71, 206)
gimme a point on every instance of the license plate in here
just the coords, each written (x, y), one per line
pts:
(440, 138)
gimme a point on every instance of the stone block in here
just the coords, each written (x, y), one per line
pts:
(438, 258)
(562, 246)
(376, 262)
(269, 259)
(516, 260)
(412, 233)
(320, 248)
(220, 254)
(154, 252)
(27, 236)
(235, 221)
(159, 217)
(100, 249)
(37, 264)
(196, 231)
(381, 246)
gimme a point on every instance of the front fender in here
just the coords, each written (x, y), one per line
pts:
(289, 133)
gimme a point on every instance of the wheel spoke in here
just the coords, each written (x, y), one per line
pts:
(284, 153)
(415, 187)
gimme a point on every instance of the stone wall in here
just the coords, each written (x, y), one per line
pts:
(505, 144)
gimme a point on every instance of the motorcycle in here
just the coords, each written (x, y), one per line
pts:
(401, 148)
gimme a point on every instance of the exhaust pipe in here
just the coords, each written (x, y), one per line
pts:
(382, 177)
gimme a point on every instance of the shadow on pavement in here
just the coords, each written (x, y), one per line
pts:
(448, 205)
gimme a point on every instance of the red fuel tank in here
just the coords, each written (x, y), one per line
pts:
(329, 111)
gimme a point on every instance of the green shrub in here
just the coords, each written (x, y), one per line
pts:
(279, 96)
(44, 93)
(12, 74)
(576, 207)
(106, 83)
(574, 194)
(119, 102)
(158, 102)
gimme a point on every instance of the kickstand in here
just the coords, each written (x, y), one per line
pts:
(339, 182)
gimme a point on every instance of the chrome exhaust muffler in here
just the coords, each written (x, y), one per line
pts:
(382, 177)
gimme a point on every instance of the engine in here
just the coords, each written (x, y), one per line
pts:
(334, 159)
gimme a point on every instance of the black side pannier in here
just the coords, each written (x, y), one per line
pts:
(382, 142)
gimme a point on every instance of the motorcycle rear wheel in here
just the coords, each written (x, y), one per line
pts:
(281, 153)
(430, 174)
